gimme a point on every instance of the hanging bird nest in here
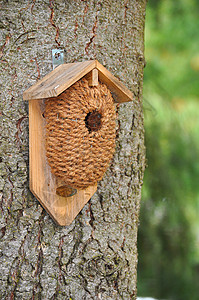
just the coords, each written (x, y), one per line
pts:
(80, 133)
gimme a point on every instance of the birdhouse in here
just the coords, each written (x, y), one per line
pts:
(71, 135)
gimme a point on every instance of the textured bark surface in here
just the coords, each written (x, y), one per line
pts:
(96, 256)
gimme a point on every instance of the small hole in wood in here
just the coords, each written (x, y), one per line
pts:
(93, 121)
(65, 191)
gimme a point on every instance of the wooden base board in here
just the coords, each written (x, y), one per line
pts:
(43, 183)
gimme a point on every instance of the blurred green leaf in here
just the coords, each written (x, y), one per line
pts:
(168, 240)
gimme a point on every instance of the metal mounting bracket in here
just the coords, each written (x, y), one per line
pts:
(57, 57)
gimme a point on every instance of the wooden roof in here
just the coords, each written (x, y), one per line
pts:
(65, 75)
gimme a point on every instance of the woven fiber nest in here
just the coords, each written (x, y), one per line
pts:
(80, 133)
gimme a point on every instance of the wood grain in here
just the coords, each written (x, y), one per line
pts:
(92, 77)
(57, 81)
(119, 91)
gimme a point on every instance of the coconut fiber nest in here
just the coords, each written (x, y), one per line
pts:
(80, 133)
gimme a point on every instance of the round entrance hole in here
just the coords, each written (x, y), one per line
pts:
(93, 121)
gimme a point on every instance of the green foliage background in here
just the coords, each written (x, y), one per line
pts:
(168, 241)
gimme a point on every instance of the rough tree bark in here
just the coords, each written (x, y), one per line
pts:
(96, 256)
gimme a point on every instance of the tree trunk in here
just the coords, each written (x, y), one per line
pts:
(96, 256)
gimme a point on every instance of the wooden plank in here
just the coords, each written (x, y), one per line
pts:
(45, 81)
(92, 77)
(66, 75)
(58, 80)
(43, 183)
(119, 91)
